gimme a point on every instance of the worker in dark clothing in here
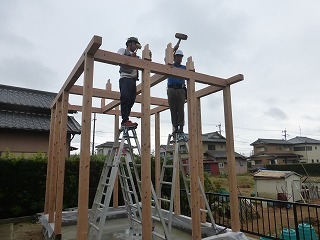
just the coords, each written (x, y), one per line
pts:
(127, 82)
(177, 95)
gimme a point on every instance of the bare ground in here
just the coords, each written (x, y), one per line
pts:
(27, 231)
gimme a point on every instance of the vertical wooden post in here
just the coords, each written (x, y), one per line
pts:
(157, 154)
(193, 157)
(169, 54)
(55, 160)
(84, 169)
(145, 152)
(200, 153)
(232, 177)
(177, 208)
(50, 160)
(61, 163)
(116, 183)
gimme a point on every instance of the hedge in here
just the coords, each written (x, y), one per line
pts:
(305, 169)
(23, 184)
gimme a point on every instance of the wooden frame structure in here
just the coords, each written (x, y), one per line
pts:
(59, 110)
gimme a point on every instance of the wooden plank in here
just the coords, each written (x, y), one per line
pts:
(98, 110)
(84, 168)
(53, 184)
(50, 160)
(155, 79)
(108, 94)
(232, 175)
(117, 59)
(157, 154)
(61, 165)
(212, 89)
(194, 166)
(116, 184)
(76, 72)
(200, 153)
(145, 154)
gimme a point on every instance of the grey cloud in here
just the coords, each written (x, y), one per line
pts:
(27, 73)
(276, 113)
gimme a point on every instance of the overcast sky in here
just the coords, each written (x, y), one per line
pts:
(274, 44)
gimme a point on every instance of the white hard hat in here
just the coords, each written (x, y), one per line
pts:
(178, 52)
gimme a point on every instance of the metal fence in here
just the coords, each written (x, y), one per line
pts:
(267, 218)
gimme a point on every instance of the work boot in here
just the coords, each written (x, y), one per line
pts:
(128, 123)
(175, 130)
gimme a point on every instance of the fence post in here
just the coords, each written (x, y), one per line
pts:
(296, 220)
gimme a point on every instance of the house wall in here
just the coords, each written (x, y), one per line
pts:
(217, 146)
(241, 166)
(312, 156)
(271, 148)
(25, 141)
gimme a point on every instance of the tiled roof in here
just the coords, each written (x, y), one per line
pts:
(222, 154)
(29, 109)
(271, 141)
(26, 98)
(275, 155)
(302, 140)
(32, 121)
(213, 137)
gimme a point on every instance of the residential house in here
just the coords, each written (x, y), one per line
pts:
(25, 116)
(307, 148)
(106, 148)
(214, 155)
(276, 151)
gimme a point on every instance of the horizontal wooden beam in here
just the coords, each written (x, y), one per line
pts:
(168, 70)
(155, 79)
(212, 89)
(78, 69)
(109, 94)
(99, 110)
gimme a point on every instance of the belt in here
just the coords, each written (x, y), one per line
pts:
(176, 86)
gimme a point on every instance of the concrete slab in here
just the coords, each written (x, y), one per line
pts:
(120, 229)
(6, 231)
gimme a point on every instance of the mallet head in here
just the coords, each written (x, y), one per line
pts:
(181, 36)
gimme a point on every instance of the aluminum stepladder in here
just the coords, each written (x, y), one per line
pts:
(180, 161)
(122, 159)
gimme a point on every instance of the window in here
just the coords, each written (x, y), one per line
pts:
(258, 161)
(317, 160)
(260, 149)
(211, 147)
(221, 165)
(312, 161)
(206, 168)
(309, 148)
(299, 148)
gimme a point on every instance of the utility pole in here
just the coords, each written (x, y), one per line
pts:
(93, 133)
(285, 134)
(219, 126)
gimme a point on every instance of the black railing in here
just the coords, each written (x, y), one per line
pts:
(269, 219)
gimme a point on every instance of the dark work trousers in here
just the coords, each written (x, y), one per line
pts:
(176, 99)
(128, 90)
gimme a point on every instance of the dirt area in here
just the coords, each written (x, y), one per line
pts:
(27, 231)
